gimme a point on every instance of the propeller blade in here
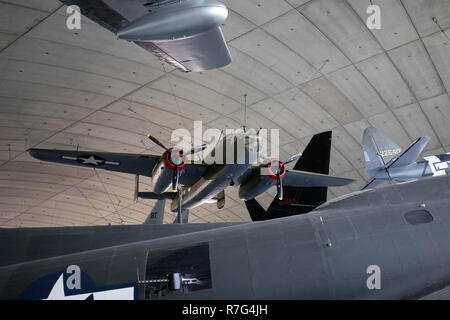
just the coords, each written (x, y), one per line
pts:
(175, 177)
(157, 142)
(198, 148)
(279, 186)
(293, 158)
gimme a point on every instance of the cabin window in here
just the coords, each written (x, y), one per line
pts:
(418, 217)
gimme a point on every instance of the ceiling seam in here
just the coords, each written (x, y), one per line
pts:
(34, 26)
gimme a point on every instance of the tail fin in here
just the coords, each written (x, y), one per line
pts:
(156, 216)
(299, 200)
(257, 213)
(378, 149)
(410, 154)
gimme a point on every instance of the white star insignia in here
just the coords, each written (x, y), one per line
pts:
(91, 160)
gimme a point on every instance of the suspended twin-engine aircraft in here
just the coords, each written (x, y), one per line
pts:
(184, 33)
(233, 161)
(385, 160)
(373, 244)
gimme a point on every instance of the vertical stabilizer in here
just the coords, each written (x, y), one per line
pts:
(156, 216)
(378, 150)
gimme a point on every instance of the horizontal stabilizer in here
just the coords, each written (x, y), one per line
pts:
(296, 178)
(410, 154)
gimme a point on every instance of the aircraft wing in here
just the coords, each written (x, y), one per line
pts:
(141, 164)
(297, 178)
(197, 52)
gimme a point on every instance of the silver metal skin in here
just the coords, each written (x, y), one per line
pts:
(186, 34)
(385, 160)
(175, 21)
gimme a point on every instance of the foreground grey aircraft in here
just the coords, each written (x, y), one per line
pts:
(386, 243)
(184, 33)
(385, 160)
(197, 183)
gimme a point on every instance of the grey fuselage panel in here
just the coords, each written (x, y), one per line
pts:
(324, 254)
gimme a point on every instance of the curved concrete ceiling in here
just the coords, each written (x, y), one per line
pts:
(306, 67)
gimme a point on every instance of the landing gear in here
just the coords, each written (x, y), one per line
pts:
(180, 209)
(183, 214)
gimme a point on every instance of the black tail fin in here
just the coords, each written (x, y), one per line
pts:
(299, 200)
(257, 213)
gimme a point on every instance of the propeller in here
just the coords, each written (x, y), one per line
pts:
(176, 164)
(156, 141)
(293, 158)
(281, 169)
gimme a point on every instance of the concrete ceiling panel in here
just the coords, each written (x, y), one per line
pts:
(300, 104)
(17, 20)
(256, 74)
(43, 5)
(416, 67)
(275, 55)
(388, 123)
(93, 37)
(172, 104)
(332, 100)
(53, 94)
(258, 11)
(438, 46)
(357, 90)
(423, 11)
(338, 21)
(299, 34)
(384, 77)
(227, 85)
(396, 27)
(236, 25)
(437, 110)
(284, 118)
(196, 93)
(348, 147)
(70, 57)
(62, 77)
(416, 124)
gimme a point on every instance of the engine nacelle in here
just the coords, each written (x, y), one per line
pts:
(261, 179)
(177, 20)
(162, 173)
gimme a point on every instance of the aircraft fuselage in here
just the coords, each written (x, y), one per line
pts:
(387, 243)
(436, 165)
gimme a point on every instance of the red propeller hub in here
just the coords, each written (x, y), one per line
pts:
(173, 156)
(272, 166)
